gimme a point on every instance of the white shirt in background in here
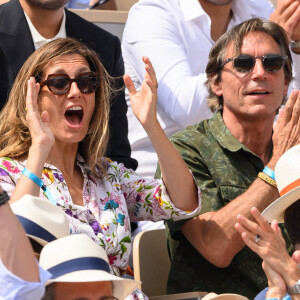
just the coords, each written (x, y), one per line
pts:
(38, 39)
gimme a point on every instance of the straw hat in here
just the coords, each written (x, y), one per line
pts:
(43, 221)
(224, 297)
(77, 258)
(287, 175)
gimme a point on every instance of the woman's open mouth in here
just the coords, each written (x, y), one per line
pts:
(74, 115)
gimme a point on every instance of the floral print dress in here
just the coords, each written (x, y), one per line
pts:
(109, 204)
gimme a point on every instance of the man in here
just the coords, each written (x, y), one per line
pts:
(26, 25)
(177, 37)
(248, 73)
(75, 265)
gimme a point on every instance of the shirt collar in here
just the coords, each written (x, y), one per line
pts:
(222, 133)
(38, 39)
(191, 9)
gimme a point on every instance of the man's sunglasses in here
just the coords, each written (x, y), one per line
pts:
(60, 84)
(245, 63)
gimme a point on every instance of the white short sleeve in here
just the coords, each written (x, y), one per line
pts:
(13, 287)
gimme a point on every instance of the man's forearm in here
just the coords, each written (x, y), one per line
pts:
(15, 250)
(213, 234)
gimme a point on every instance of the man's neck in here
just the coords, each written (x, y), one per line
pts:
(47, 22)
(220, 16)
(255, 134)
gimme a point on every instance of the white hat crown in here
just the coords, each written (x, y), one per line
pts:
(77, 258)
(287, 170)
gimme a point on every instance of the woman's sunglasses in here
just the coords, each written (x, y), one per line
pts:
(245, 63)
(60, 84)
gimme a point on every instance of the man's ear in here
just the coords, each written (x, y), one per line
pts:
(216, 86)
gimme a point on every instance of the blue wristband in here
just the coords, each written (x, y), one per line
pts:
(269, 172)
(40, 183)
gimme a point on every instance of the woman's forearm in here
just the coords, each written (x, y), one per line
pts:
(178, 179)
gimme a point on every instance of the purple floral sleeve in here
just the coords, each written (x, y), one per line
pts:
(146, 198)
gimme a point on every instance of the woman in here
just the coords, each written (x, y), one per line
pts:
(53, 135)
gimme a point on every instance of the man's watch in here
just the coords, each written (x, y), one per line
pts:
(295, 44)
(295, 289)
(3, 197)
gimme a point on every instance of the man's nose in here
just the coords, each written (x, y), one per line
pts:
(258, 69)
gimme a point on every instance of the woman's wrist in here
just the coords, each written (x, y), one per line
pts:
(36, 160)
(275, 292)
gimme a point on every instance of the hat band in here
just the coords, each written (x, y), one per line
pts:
(36, 230)
(79, 264)
(290, 187)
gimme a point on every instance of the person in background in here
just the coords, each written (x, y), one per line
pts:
(26, 25)
(92, 4)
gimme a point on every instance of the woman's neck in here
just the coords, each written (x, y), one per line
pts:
(63, 156)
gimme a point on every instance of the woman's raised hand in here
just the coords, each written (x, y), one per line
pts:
(270, 245)
(143, 103)
(38, 124)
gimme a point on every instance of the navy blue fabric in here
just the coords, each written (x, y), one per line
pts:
(79, 264)
(34, 229)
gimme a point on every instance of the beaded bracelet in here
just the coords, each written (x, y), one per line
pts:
(267, 179)
(40, 183)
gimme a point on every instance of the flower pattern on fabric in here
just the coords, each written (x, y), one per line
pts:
(11, 167)
(109, 204)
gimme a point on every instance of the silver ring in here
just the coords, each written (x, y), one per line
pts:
(257, 239)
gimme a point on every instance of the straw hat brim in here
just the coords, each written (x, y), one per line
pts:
(38, 240)
(122, 287)
(224, 297)
(275, 211)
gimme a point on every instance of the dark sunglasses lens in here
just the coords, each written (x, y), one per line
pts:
(58, 85)
(88, 83)
(272, 62)
(244, 63)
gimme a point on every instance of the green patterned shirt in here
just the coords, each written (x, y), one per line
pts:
(223, 169)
